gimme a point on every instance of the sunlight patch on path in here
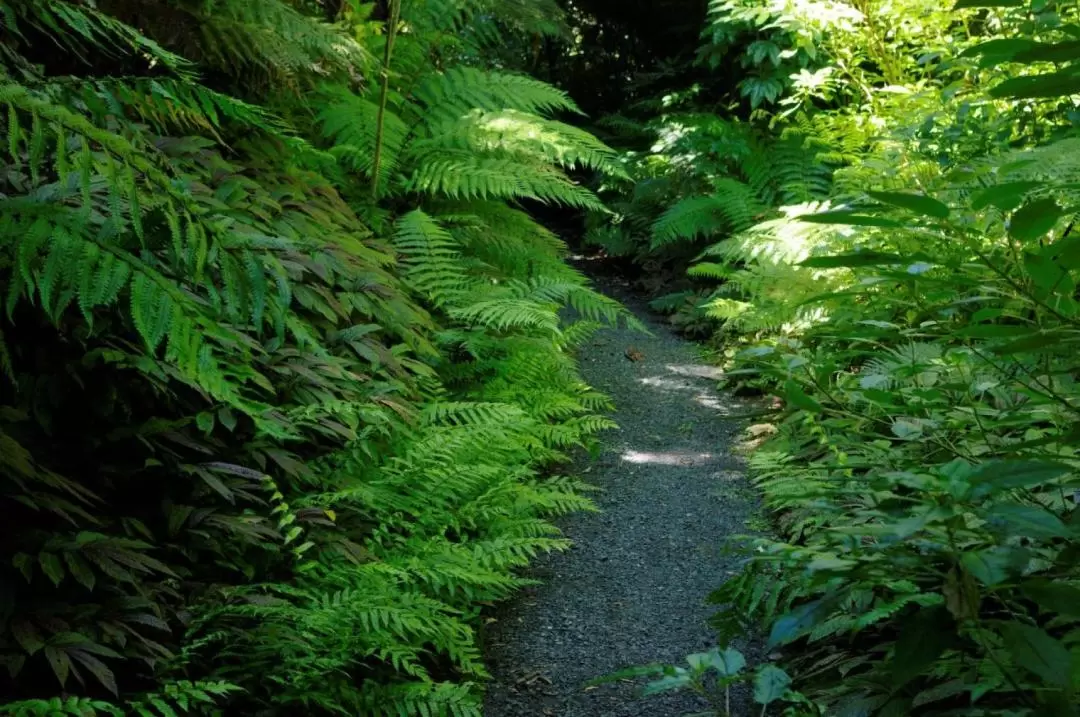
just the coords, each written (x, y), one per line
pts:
(670, 458)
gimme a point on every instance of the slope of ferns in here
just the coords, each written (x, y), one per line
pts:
(282, 369)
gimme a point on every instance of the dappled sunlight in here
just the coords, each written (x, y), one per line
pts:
(681, 378)
(667, 458)
(697, 370)
(669, 384)
(709, 402)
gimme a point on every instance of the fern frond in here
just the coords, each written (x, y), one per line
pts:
(464, 175)
(730, 209)
(460, 91)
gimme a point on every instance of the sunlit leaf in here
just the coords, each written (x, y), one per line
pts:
(915, 203)
(850, 218)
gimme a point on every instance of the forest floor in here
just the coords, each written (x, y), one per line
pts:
(632, 589)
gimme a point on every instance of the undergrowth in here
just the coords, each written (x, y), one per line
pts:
(882, 235)
(284, 385)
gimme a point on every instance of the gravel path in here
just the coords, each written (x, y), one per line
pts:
(632, 590)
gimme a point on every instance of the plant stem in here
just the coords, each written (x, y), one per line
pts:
(391, 33)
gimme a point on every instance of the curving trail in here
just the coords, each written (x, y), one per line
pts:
(632, 590)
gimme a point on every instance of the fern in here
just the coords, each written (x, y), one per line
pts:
(730, 209)
(270, 438)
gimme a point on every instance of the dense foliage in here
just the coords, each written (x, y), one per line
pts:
(283, 376)
(878, 224)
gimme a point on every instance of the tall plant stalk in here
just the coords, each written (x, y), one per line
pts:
(391, 33)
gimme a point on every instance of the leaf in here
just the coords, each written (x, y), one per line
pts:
(1033, 342)
(1056, 84)
(1065, 51)
(1006, 196)
(728, 662)
(97, 668)
(1034, 219)
(1047, 275)
(861, 258)
(1034, 650)
(24, 563)
(1053, 596)
(27, 635)
(1006, 475)
(795, 395)
(770, 684)
(961, 4)
(675, 680)
(59, 662)
(906, 430)
(915, 203)
(80, 570)
(990, 566)
(800, 620)
(51, 566)
(849, 218)
(1017, 519)
(923, 638)
(1001, 48)
(993, 331)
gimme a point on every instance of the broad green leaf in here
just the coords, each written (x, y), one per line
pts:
(728, 662)
(800, 620)
(1033, 342)
(906, 430)
(1066, 251)
(1000, 48)
(1034, 219)
(1065, 51)
(676, 681)
(1054, 596)
(1036, 651)
(850, 218)
(770, 684)
(1029, 521)
(1005, 475)
(993, 331)
(923, 638)
(1057, 84)
(961, 4)
(915, 203)
(860, 258)
(1006, 196)
(990, 566)
(795, 395)
(1048, 275)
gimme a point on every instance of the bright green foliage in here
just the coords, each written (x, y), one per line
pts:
(918, 317)
(712, 675)
(274, 429)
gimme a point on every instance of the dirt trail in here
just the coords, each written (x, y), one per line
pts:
(632, 590)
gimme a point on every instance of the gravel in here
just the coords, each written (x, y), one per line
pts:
(632, 589)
